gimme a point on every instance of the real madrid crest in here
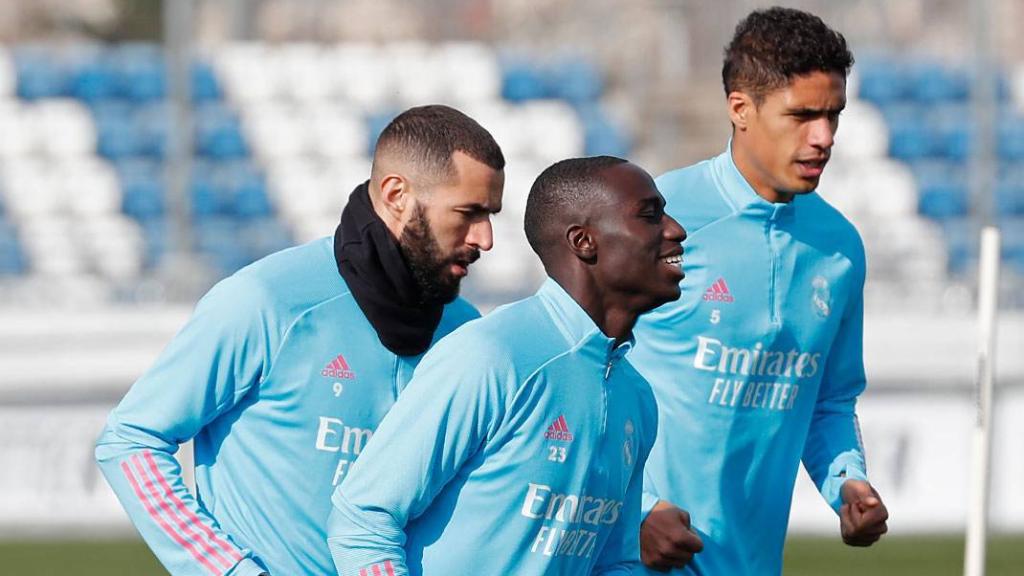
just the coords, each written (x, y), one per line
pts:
(821, 297)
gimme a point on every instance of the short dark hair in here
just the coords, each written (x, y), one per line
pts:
(428, 136)
(771, 47)
(561, 188)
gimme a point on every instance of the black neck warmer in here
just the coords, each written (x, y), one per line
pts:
(371, 263)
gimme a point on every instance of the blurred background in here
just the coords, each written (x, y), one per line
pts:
(148, 149)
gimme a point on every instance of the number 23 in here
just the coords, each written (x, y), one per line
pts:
(556, 454)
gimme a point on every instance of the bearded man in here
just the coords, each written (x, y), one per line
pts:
(286, 367)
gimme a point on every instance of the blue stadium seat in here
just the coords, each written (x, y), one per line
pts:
(40, 73)
(1009, 190)
(203, 197)
(117, 134)
(141, 74)
(952, 131)
(246, 188)
(142, 188)
(219, 132)
(12, 259)
(205, 86)
(574, 79)
(522, 80)
(883, 80)
(935, 82)
(942, 189)
(93, 76)
(910, 137)
(1011, 136)
(1012, 236)
(602, 135)
(153, 121)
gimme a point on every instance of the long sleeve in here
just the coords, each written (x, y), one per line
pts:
(833, 452)
(207, 368)
(444, 417)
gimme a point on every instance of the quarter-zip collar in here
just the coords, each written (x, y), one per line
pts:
(575, 324)
(738, 192)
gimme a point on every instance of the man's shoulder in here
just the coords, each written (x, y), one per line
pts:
(519, 334)
(692, 195)
(827, 226)
(282, 285)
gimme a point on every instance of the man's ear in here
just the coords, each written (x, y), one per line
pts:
(395, 195)
(582, 242)
(741, 106)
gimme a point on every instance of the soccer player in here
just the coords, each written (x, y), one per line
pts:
(518, 447)
(759, 364)
(287, 367)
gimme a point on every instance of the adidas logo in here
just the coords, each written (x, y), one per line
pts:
(338, 368)
(559, 430)
(718, 292)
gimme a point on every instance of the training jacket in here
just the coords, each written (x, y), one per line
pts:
(757, 366)
(280, 381)
(518, 448)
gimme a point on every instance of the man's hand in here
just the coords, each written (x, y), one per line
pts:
(666, 541)
(862, 517)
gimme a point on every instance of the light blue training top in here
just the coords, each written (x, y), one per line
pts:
(280, 380)
(757, 366)
(517, 448)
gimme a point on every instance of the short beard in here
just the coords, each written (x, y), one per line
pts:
(429, 267)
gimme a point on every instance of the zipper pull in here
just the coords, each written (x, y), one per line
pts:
(608, 369)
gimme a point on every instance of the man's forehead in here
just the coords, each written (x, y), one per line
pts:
(628, 184)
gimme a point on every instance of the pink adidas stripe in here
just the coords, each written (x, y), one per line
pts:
(389, 568)
(191, 516)
(150, 485)
(162, 523)
(376, 570)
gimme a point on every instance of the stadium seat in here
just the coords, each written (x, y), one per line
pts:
(937, 82)
(882, 80)
(603, 135)
(522, 80)
(218, 133)
(942, 189)
(1010, 130)
(910, 136)
(140, 72)
(952, 131)
(204, 83)
(142, 188)
(40, 73)
(92, 75)
(1009, 191)
(575, 79)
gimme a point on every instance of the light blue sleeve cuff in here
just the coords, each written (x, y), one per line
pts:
(647, 502)
(847, 466)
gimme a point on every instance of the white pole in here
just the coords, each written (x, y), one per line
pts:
(977, 513)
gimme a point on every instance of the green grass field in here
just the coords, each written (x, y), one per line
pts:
(907, 556)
